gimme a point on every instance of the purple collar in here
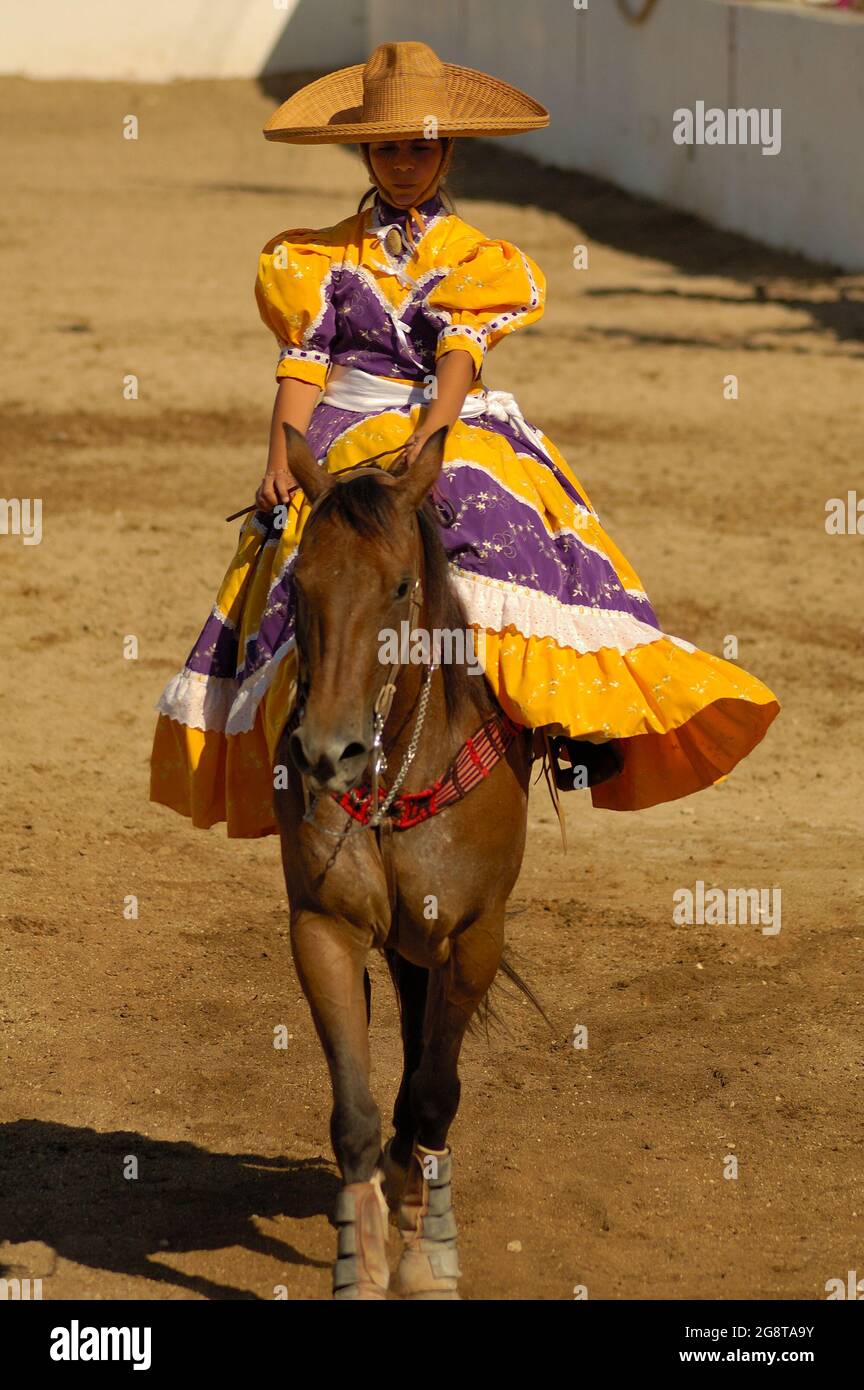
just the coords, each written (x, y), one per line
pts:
(387, 214)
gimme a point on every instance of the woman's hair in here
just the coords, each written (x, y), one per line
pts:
(447, 144)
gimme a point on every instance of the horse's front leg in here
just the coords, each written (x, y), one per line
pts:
(429, 1267)
(330, 956)
(411, 982)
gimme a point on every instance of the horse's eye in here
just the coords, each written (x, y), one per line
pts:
(403, 588)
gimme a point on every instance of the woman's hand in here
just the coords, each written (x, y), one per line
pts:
(274, 488)
(294, 404)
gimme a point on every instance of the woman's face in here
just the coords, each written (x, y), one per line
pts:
(405, 170)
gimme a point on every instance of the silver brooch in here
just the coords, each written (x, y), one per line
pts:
(393, 241)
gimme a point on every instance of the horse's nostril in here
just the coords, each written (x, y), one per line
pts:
(322, 762)
(351, 751)
(298, 757)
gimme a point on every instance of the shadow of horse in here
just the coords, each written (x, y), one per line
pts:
(65, 1187)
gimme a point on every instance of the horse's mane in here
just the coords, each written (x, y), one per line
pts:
(367, 506)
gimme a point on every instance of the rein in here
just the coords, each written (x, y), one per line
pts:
(372, 458)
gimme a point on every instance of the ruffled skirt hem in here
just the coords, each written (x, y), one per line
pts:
(683, 720)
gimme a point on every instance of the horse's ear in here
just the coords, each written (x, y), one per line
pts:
(303, 464)
(420, 477)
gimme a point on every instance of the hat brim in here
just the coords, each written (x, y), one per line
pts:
(329, 111)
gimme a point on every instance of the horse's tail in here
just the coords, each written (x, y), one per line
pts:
(487, 1009)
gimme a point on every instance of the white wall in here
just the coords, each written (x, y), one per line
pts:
(611, 89)
(157, 40)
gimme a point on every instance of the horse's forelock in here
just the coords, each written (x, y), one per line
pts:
(366, 505)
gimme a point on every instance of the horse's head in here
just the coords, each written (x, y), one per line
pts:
(359, 558)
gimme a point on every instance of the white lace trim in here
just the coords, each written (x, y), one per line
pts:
(477, 336)
(275, 581)
(304, 355)
(573, 531)
(437, 273)
(401, 410)
(216, 612)
(397, 270)
(198, 701)
(497, 604)
(392, 311)
(241, 718)
(512, 314)
(396, 265)
(219, 702)
(326, 302)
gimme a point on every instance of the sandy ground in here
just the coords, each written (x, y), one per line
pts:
(153, 1038)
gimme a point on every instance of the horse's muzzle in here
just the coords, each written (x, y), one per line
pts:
(331, 763)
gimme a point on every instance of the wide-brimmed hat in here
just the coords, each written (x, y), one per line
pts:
(403, 90)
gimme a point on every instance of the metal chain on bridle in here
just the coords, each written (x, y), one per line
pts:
(379, 766)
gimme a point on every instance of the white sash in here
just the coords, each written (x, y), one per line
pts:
(362, 392)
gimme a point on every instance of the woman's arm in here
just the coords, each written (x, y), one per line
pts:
(454, 378)
(294, 404)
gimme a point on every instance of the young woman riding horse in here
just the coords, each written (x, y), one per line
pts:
(409, 493)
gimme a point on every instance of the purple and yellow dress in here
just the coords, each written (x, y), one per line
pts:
(570, 639)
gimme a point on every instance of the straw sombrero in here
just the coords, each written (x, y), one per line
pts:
(397, 92)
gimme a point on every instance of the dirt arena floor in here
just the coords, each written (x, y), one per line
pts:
(153, 1038)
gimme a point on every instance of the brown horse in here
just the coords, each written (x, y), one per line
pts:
(371, 543)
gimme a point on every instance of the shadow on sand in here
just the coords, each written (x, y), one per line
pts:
(64, 1187)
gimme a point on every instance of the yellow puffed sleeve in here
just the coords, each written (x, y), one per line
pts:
(295, 299)
(492, 290)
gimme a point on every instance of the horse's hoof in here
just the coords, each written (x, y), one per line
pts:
(429, 1267)
(361, 1269)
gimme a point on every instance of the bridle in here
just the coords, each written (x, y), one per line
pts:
(381, 713)
(383, 701)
